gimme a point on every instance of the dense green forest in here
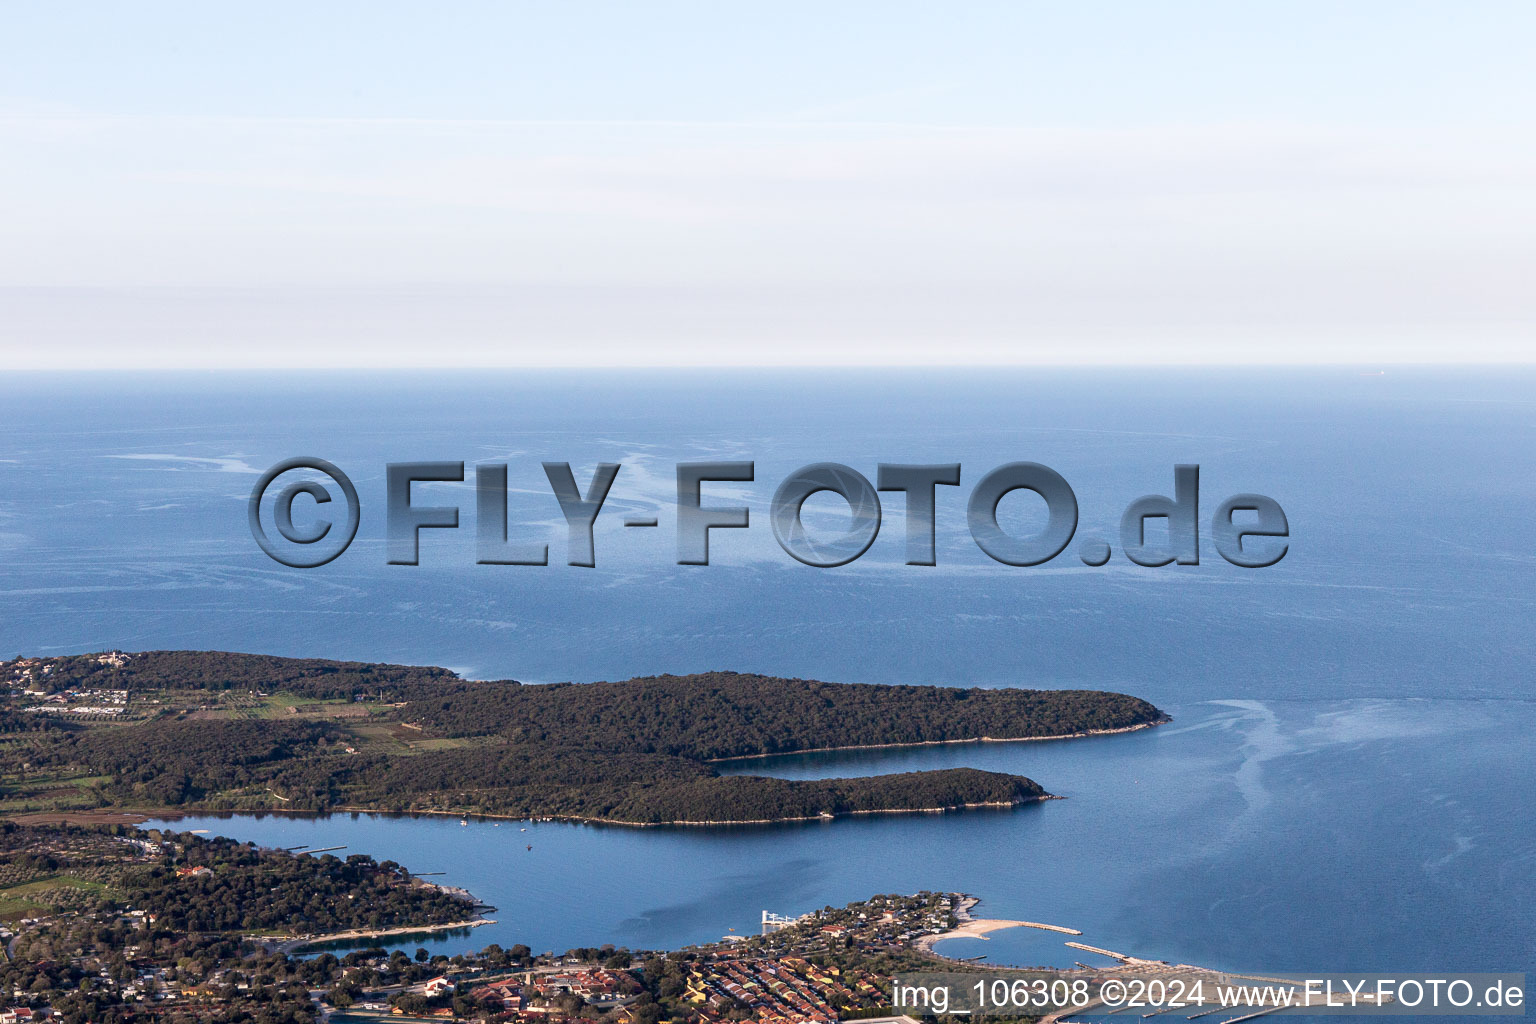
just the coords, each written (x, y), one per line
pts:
(651, 790)
(194, 902)
(190, 883)
(236, 731)
(722, 799)
(729, 714)
(247, 889)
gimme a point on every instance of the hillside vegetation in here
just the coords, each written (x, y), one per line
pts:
(235, 731)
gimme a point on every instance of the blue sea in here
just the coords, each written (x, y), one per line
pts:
(1347, 782)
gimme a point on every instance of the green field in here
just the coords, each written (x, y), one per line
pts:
(15, 903)
(60, 792)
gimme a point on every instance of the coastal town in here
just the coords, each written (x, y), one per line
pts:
(29, 679)
(110, 924)
(104, 922)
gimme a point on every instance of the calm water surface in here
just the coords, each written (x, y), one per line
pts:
(1246, 835)
(1347, 784)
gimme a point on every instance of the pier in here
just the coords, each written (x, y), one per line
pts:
(1102, 952)
(1048, 927)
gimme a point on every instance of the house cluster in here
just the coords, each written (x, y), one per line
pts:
(508, 993)
(777, 991)
(440, 985)
(536, 995)
(145, 982)
(77, 702)
(28, 670)
(894, 920)
(597, 986)
(880, 923)
(22, 1015)
(217, 985)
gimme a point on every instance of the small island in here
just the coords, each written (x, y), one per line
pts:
(216, 731)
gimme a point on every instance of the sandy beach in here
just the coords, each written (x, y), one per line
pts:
(365, 935)
(976, 928)
(969, 927)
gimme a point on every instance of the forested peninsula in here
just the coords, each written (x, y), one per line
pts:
(220, 731)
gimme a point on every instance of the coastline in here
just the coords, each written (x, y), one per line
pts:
(108, 816)
(976, 928)
(357, 936)
(1164, 720)
(818, 817)
(99, 816)
(296, 944)
(128, 815)
(968, 927)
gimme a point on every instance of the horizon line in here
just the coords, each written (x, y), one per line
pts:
(656, 367)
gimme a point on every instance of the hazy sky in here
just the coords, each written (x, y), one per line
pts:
(386, 184)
